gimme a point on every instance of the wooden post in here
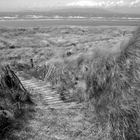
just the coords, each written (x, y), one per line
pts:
(32, 63)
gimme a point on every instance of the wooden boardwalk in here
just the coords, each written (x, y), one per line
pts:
(50, 98)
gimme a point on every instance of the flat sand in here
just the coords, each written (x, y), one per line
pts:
(63, 22)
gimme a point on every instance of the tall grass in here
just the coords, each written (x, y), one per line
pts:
(12, 116)
(113, 89)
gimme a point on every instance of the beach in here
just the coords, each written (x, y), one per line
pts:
(28, 23)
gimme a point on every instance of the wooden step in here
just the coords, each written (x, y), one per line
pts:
(50, 97)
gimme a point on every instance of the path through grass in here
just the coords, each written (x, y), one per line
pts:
(54, 119)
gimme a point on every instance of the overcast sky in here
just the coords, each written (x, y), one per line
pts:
(6, 5)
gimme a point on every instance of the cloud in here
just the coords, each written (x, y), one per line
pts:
(103, 3)
(83, 3)
(135, 3)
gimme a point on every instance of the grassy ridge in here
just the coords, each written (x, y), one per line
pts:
(113, 88)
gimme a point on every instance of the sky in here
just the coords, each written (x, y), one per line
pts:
(11, 5)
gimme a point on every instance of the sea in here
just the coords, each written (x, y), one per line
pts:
(28, 21)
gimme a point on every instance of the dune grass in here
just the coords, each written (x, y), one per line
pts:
(107, 80)
(112, 87)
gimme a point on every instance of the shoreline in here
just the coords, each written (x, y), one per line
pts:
(65, 22)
